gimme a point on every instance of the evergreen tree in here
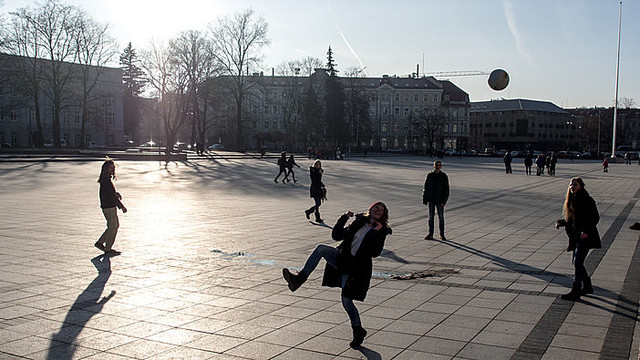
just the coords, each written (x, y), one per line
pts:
(134, 83)
(311, 124)
(336, 125)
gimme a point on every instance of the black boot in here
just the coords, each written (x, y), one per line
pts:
(294, 281)
(358, 336)
(574, 295)
(587, 288)
(307, 213)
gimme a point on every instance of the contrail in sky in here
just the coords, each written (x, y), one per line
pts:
(513, 27)
(345, 39)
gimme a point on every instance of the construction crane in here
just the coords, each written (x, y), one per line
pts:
(456, 73)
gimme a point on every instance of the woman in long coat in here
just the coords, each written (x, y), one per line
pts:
(349, 265)
(580, 220)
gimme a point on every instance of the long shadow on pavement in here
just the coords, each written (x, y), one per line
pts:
(87, 304)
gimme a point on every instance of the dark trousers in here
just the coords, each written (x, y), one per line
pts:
(290, 172)
(316, 208)
(282, 171)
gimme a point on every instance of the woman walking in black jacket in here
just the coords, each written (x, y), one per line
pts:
(580, 220)
(109, 201)
(349, 265)
(316, 190)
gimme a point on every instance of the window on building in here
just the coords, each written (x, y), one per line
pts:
(76, 139)
(275, 125)
(384, 110)
(455, 128)
(266, 125)
(275, 109)
(406, 111)
(415, 98)
(395, 128)
(383, 126)
(76, 116)
(266, 109)
(87, 137)
(446, 127)
(406, 128)
(396, 111)
(435, 98)
(397, 97)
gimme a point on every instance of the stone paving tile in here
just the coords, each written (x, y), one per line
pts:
(204, 242)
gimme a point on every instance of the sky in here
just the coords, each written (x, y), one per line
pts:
(559, 51)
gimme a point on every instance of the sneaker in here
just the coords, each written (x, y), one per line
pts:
(635, 226)
(307, 214)
(429, 237)
(442, 237)
(275, 181)
(99, 246)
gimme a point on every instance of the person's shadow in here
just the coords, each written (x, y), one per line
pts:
(369, 354)
(87, 304)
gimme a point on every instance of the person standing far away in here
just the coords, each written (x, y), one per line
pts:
(540, 165)
(349, 265)
(605, 165)
(507, 162)
(580, 220)
(435, 194)
(316, 190)
(282, 164)
(528, 161)
(290, 164)
(109, 201)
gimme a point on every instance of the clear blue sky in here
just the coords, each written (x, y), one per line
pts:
(559, 51)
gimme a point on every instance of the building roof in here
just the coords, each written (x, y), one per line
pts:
(515, 105)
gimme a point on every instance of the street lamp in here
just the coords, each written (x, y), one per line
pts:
(569, 123)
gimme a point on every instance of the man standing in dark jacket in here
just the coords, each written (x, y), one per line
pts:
(435, 194)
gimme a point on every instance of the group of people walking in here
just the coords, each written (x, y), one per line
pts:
(286, 168)
(549, 162)
(349, 265)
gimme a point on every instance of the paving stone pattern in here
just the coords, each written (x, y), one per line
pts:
(204, 242)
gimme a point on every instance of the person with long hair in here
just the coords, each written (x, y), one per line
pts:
(349, 265)
(110, 199)
(580, 219)
(291, 162)
(316, 190)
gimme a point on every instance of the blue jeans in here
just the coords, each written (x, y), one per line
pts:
(432, 209)
(579, 256)
(330, 254)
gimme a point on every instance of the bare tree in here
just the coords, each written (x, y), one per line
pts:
(169, 82)
(56, 27)
(194, 54)
(309, 65)
(357, 106)
(627, 103)
(430, 125)
(291, 99)
(238, 41)
(95, 48)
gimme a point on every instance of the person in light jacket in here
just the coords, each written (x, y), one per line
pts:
(580, 220)
(349, 265)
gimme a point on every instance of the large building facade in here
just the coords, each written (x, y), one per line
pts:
(521, 124)
(104, 118)
(395, 105)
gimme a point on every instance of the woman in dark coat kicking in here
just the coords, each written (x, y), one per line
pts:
(349, 265)
(580, 220)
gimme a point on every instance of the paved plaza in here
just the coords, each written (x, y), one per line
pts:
(204, 242)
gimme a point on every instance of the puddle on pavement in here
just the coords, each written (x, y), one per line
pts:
(380, 274)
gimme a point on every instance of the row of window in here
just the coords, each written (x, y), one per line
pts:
(384, 127)
(11, 114)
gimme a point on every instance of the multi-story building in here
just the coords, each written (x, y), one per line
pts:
(395, 104)
(104, 123)
(521, 124)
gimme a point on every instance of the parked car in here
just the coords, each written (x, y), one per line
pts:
(63, 143)
(150, 143)
(515, 153)
(216, 147)
(180, 146)
(394, 150)
(586, 155)
(450, 152)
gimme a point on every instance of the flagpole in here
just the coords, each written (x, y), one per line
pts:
(615, 109)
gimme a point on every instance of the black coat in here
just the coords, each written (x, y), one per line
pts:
(358, 267)
(436, 188)
(584, 220)
(315, 190)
